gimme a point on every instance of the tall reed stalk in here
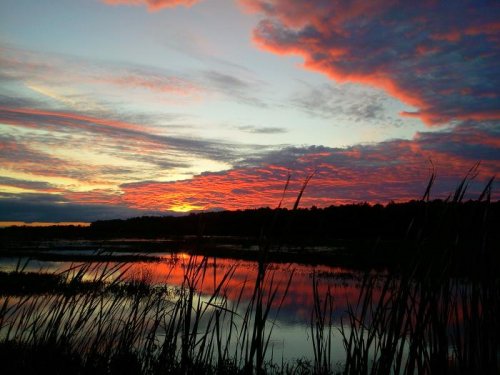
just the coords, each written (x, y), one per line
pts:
(426, 319)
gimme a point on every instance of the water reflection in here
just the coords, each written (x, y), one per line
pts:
(290, 325)
(418, 318)
(171, 270)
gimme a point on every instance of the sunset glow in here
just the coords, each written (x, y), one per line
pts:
(121, 108)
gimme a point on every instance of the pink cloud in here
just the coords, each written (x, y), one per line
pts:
(155, 83)
(153, 5)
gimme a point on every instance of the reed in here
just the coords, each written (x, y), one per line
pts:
(137, 327)
(425, 318)
(322, 324)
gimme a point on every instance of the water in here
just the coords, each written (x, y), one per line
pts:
(290, 316)
(439, 314)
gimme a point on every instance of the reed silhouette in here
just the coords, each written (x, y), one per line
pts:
(433, 311)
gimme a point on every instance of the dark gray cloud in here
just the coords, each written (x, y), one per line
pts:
(14, 101)
(470, 139)
(52, 208)
(37, 185)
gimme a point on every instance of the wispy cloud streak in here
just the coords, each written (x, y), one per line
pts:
(75, 122)
(153, 5)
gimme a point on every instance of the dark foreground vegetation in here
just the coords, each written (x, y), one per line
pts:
(434, 312)
(407, 323)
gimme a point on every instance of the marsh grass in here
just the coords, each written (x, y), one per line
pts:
(147, 330)
(420, 318)
(425, 318)
(424, 325)
(322, 325)
(136, 327)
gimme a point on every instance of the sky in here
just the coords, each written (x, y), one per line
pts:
(120, 108)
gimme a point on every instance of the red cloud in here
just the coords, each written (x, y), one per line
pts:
(154, 5)
(440, 57)
(394, 170)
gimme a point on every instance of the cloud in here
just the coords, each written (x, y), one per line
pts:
(439, 57)
(78, 152)
(24, 184)
(54, 208)
(56, 77)
(262, 130)
(137, 136)
(392, 170)
(153, 5)
(21, 158)
(155, 82)
(233, 87)
(329, 101)
(17, 102)
(44, 72)
(380, 172)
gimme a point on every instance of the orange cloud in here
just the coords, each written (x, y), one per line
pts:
(171, 85)
(377, 173)
(394, 170)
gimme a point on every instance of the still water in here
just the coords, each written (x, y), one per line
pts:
(291, 309)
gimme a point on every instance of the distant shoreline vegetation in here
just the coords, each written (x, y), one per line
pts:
(344, 221)
(359, 236)
(6, 224)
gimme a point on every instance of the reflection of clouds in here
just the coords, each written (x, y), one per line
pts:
(9, 264)
(298, 303)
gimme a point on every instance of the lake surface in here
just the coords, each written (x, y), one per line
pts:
(355, 317)
(291, 313)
